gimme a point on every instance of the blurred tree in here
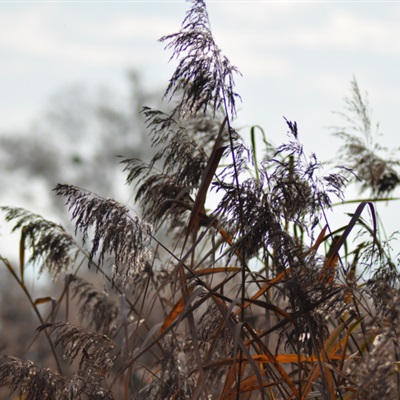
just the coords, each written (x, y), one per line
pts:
(77, 140)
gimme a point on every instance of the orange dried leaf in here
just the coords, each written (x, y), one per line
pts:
(320, 239)
(43, 300)
(210, 271)
(208, 174)
(173, 315)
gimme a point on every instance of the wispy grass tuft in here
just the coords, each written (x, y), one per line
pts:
(116, 232)
(96, 307)
(373, 165)
(257, 294)
(51, 247)
(204, 74)
(31, 381)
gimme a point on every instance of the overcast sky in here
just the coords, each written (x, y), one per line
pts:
(297, 58)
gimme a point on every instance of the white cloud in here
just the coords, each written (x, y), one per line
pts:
(253, 67)
(256, 13)
(36, 32)
(26, 31)
(312, 26)
(259, 38)
(349, 31)
(136, 27)
(328, 84)
(248, 33)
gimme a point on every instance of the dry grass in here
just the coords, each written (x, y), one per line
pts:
(256, 299)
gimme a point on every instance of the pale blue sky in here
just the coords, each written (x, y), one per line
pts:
(297, 58)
